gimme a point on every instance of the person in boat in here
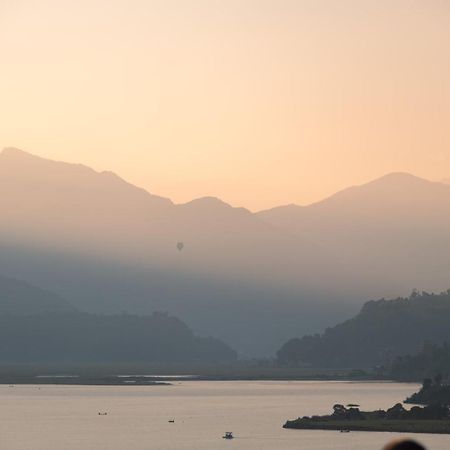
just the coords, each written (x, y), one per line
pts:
(404, 444)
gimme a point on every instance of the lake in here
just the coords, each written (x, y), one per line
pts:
(66, 417)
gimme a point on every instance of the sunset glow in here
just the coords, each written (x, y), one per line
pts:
(259, 103)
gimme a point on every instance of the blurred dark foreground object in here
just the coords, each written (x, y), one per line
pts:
(404, 444)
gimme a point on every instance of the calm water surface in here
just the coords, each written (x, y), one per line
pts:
(66, 417)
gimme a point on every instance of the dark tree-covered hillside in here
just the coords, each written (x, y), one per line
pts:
(382, 331)
(80, 337)
(431, 362)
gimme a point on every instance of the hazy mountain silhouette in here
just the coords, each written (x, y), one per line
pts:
(392, 233)
(60, 206)
(250, 279)
(20, 298)
(108, 246)
(37, 325)
(81, 337)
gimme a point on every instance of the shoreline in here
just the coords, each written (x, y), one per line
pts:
(82, 381)
(155, 380)
(118, 373)
(391, 426)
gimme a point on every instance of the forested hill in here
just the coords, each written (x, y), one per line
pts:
(383, 330)
(81, 337)
(431, 362)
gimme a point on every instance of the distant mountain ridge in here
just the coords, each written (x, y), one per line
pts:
(251, 279)
(399, 187)
(392, 231)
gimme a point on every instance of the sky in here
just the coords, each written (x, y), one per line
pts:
(258, 102)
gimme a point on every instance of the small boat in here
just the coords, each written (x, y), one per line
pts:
(345, 431)
(228, 435)
(172, 421)
(102, 413)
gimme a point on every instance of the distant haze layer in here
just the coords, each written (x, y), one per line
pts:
(251, 279)
(257, 102)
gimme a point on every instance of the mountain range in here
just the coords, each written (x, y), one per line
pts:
(251, 279)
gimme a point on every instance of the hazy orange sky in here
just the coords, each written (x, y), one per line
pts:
(259, 102)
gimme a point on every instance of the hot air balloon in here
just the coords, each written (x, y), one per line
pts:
(180, 246)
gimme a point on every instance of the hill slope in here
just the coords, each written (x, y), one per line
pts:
(383, 329)
(76, 337)
(18, 297)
